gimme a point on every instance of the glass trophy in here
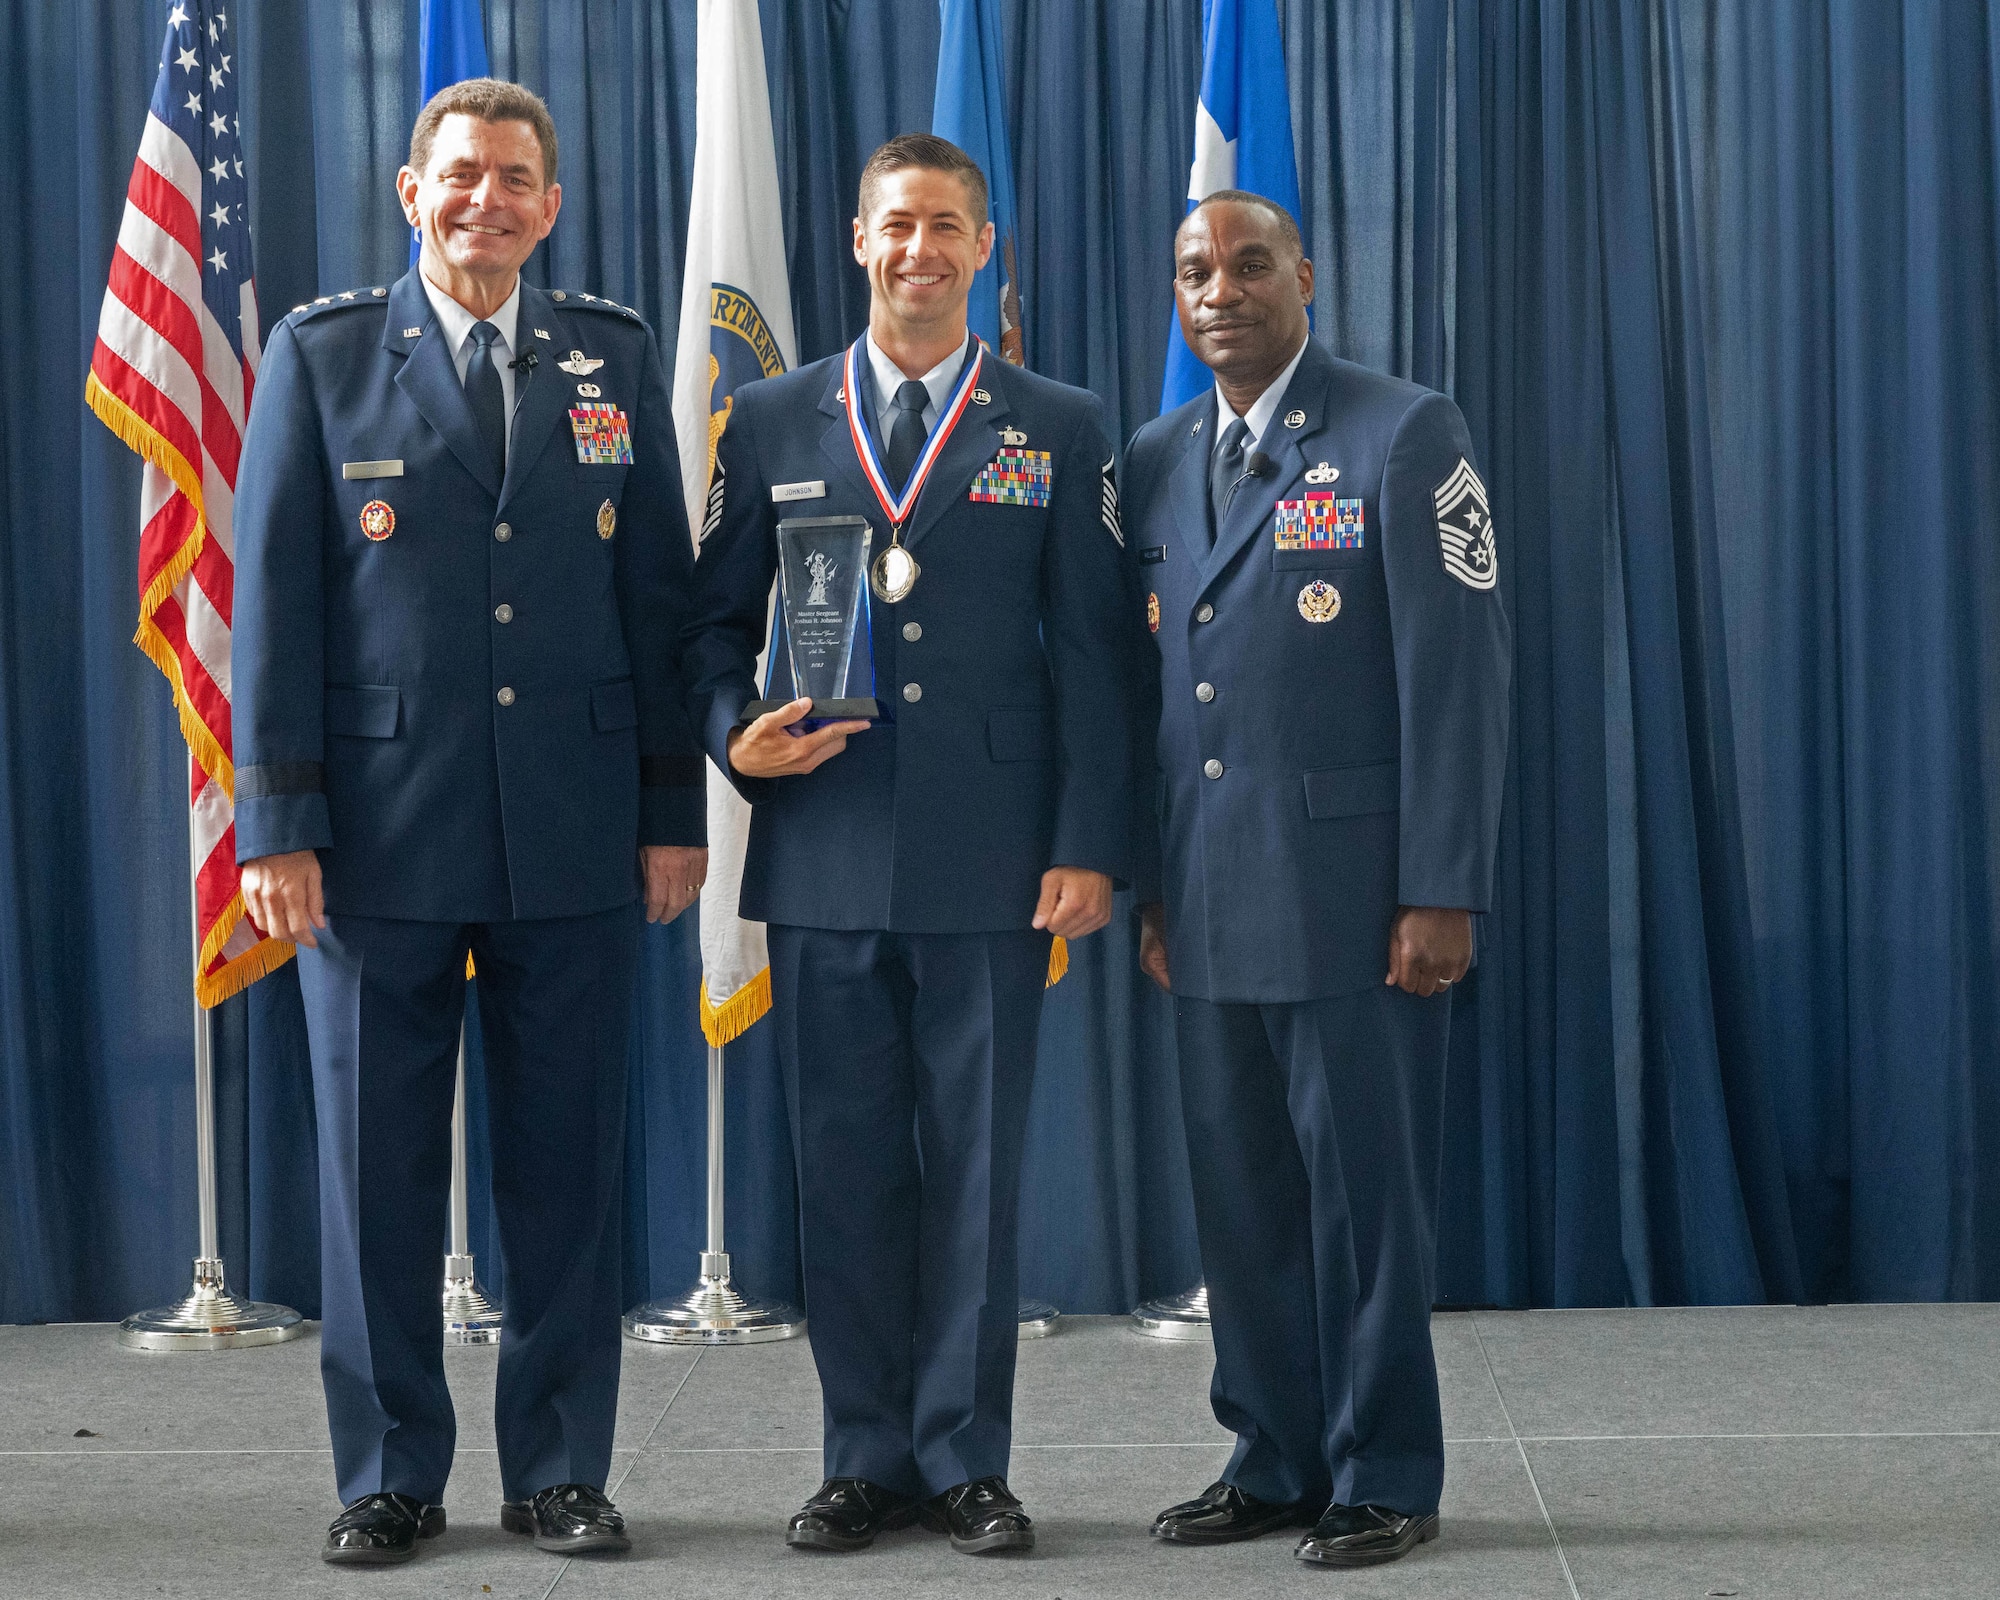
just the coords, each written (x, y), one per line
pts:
(822, 623)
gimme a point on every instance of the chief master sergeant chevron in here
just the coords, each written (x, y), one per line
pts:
(459, 724)
(912, 873)
(1330, 693)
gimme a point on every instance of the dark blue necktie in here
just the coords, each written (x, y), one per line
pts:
(482, 391)
(907, 435)
(1224, 472)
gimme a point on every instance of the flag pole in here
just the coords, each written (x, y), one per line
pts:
(469, 1317)
(1176, 1316)
(210, 1317)
(714, 1311)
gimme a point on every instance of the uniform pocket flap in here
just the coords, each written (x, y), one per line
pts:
(1019, 733)
(363, 710)
(612, 706)
(1354, 791)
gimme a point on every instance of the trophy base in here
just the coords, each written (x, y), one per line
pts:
(863, 708)
(1037, 1319)
(469, 1317)
(210, 1318)
(1176, 1316)
(714, 1312)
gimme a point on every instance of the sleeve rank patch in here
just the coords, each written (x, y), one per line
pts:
(1112, 525)
(1465, 528)
(711, 518)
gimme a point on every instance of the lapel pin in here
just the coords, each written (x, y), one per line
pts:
(1195, 429)
(378, 521)
(1295, 419)
(981, 398)
(413, 333)
(541, 333)
(1323, 474)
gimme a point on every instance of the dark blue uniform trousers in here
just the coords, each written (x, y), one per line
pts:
(383, 1003)
(1313, 1133)
(907, 1060)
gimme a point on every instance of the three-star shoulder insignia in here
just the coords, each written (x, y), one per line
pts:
(580, 301)
(347, 298)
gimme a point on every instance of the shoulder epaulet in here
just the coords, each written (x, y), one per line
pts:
(591, 302)
(334, 302)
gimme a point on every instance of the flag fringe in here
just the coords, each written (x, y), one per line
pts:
(263, 957)
(1058, 961)
(734, 1017)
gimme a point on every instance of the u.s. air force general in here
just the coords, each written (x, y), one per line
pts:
(479, 676)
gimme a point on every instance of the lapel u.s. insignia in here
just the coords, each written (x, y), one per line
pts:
(981, 398)
(1322, 474)
(1465, 528)
(1152, 613)
(581, 364)
(1319, 601)
(607, 520)
(378, 520)
(603, 434)
(1295, 419)
(1015, 478)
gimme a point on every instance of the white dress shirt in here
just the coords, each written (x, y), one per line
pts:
(889, 378)
(457, 324)
(1261, 410)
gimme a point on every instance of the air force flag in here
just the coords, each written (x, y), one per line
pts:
(736, 326)
(1242, 139)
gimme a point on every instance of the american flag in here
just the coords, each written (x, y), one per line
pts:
(176, 357)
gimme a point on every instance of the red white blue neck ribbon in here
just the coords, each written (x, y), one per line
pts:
(897, 509)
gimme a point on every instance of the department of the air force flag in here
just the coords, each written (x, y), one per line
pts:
(1465, 528)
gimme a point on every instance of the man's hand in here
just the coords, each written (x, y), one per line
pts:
(1430, 948)
(285, 896)
(768, 749)
(1075, 901)
(1153, 943)
(674, 876)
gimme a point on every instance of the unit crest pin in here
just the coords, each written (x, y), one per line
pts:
(607, 520)
(378, 520)
(1319, 601)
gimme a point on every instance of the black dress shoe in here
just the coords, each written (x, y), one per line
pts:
(570, 1519)
(379, 1530)
(982, 1517)
(1365, 1536)
(847, 1513)
(1223, 1513)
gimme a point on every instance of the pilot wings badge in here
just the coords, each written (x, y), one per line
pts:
(1465, 528)
(581, 364)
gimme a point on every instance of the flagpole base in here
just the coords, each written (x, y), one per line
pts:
(210, 1318)
(1176, 1316)
(714, 1312)
(1037, 1319)
(469, 1317)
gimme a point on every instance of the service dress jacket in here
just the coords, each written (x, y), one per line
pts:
(465, 693)
(1329, 684)
(1007, 670)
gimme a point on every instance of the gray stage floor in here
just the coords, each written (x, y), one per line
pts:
(1755, 1452)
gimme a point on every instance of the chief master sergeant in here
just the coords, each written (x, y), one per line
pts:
(462, 561)
(1330, 694)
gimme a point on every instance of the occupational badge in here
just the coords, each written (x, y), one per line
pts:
(1322, 474)
(590, 391)
(1295, 419)
(580, 364)
(1013, 436)
(1015, 478)
(378, 520)
(1465, 528)
(603, 434)
(1152, 613)
(1319, 522)
(1319, 601)
(607, 520)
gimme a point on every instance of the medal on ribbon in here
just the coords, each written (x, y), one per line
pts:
(895, 571)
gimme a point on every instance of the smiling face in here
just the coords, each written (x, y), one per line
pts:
(1241, 289)
(921, 250)
(480, 202)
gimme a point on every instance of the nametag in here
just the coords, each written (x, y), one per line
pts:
(371, 469)
(813, 490)
(1152, 555)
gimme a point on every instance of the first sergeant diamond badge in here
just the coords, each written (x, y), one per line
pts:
(1465, 528)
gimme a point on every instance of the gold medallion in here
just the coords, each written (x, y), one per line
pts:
(1319, 601)
(378, 520)
(607, 520)
(894, 574)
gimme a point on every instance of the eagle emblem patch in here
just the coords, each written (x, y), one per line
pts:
(1319, 601)
(1465, 529)
(378, 520)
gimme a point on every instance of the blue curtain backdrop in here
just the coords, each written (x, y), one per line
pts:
(1715, 282)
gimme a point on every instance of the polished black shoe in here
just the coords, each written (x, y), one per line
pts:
(379, 1530)
(1223, 1513)
(982, 1517)
(1365, 1536)
(846, 1514)
(568, 1519)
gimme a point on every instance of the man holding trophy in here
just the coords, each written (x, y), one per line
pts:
(940, 770)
